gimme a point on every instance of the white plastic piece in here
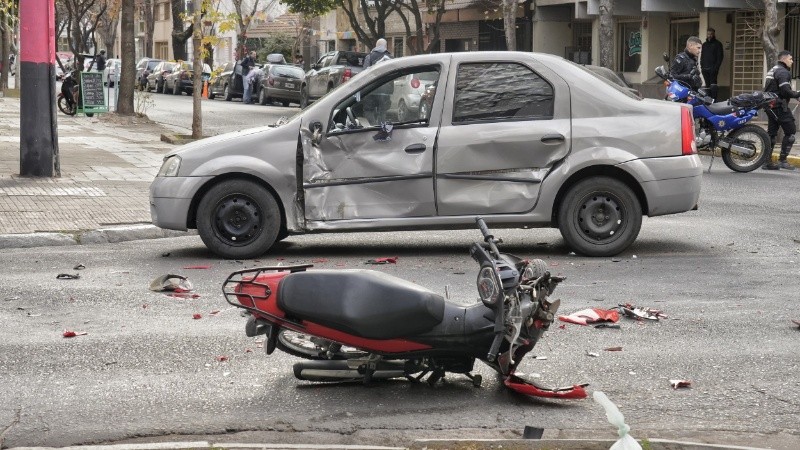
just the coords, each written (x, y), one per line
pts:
(615, 417)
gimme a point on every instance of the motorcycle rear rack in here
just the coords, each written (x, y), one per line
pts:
(249, 276)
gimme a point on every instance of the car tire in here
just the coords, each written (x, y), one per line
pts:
(227, 93)
(164, 87)
(176, 88)
(599, 216)
(262, 97)
(211, 95)
(303, 97)
(238, 219)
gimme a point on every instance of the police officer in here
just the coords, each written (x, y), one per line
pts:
(684, 67)
(778, 81)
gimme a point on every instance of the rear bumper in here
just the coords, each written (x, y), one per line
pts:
(671, 185)
(283, 94)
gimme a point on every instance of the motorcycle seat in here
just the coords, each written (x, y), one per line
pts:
(363, 303)
(721, 108)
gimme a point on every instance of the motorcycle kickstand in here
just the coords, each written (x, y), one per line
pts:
(369, 369)
(419, 377)
(436, 375)
(476, 379)
(712, 160)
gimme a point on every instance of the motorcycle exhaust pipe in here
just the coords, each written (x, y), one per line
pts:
(333, 371)
(738, 148)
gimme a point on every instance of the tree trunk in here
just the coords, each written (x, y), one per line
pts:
(5, 37)
(510, 23)
(770, 31)
(128, 55)
(197, 56)
(149, 27)
(607, 33)
(179, 34)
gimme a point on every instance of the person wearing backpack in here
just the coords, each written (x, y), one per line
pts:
(379, 100)
(378, 54)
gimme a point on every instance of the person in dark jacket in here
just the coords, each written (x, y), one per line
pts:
(779, 81)
(379, 53)
(100, 61)
(684, 67)
(247, 64)
(711, 61)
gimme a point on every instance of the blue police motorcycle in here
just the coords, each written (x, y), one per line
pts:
(724, 125)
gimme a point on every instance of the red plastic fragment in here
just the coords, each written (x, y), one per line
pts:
(197, 316)
(71, 334)
(591, 315)
(383, 260)
(320, 260)
(183, 295)
(525, 387)
(214, 312)
(222, 358)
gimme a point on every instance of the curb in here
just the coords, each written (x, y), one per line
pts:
(420, 444)
(109, 235)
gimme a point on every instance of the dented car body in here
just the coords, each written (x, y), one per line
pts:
(522, 139)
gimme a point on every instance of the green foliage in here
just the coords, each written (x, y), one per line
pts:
(275, 43)
(310, 8)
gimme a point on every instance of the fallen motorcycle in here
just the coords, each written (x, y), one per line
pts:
(363, 325)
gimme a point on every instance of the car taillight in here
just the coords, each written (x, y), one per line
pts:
(347, 75)
(415, 83)
(687, 132)
(271, 81)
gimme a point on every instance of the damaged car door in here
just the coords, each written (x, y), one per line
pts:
(505, 125)
(368, 164)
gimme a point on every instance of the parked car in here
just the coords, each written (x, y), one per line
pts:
(155, 81)
(180, 79)
(144, 68)
(524, 140)
(281, 83)
(407, 95)
(229, 83)
(330, 71)
(109, 73)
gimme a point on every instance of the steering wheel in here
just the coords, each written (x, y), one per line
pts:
(352, 117)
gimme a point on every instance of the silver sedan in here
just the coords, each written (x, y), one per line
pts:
(521, 139)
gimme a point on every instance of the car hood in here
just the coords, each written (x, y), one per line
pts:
(252, 142)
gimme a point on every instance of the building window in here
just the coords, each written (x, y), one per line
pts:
(398, 47)
(490, 92)
(162, 50)
(679, 31)
(630, 57)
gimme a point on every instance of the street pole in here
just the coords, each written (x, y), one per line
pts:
(38, 144)
(197, 68)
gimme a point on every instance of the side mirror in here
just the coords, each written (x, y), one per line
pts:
(665, 56)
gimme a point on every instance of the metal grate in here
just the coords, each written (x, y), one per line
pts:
(748, 54)
(792, 36)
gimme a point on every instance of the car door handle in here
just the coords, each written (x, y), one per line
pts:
(416, 148)
(552, 138)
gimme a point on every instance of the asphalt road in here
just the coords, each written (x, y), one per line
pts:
(726, 275)
(219, 116)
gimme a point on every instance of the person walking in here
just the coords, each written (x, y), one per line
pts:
(779, 81)
(247, 64)
(100, 61)
(378, 54)
(711, 61)
(684, 67)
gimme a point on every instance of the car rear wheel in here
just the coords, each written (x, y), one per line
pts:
(238, 219)
(163, 87)
(262, 97)
(176, 88)
(211, 95)
(599, 216)
(227, 94)
(303, 97)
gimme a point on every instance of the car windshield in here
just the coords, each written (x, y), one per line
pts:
(604, 76)
(287, 72)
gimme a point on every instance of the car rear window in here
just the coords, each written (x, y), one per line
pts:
(287, 72)
(501, 91)
(351, 59)
(152, 64)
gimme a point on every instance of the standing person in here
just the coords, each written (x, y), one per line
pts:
(711, 61)
(100, 61)
(248, 63)
(684, 67)
(779, 81)
(298, 60)
(378, 54)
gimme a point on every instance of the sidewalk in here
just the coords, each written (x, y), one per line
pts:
(107, 164)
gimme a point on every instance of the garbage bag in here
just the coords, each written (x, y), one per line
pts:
(615, 417)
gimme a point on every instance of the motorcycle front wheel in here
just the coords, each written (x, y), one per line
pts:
(759, 139)
(311, 347)
(64, 106)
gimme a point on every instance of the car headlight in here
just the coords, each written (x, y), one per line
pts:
(170, 166)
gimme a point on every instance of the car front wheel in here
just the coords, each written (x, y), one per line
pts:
(600, 216)
(238, 219)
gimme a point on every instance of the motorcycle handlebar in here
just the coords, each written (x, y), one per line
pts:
(484, 229)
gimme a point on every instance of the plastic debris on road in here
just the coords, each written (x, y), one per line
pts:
(680, 384)
(171, 283)
(68, 276)
(385, 260)
(796, 322)
(638, 313)
(197, 267)
(591, 316)
(71, 334)
(615, 417)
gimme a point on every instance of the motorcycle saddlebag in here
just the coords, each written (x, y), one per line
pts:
(747, 100)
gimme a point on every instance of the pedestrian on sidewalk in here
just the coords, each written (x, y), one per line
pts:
(779, 81)
(711, 61)
(100, 61)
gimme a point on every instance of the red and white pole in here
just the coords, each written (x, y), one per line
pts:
(37, 81)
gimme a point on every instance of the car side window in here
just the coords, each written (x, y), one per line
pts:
(401, 98)
(499, 91)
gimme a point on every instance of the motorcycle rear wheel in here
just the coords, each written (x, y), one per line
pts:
(760, 140)
(64, 106)
(310, 347)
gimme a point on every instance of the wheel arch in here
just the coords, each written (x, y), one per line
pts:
(599, 170)
(191, 219)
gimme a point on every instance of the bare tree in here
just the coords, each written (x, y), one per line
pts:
(245, 10)
(197, 69)
(415, 33)
(607, 33)
(770, 30)
(9, 17)
(82, 18)
(108, 23)
(128, 55)
(148, 16)
(180, 32)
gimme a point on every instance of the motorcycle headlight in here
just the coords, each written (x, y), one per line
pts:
(488, 286)
(170, 167)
